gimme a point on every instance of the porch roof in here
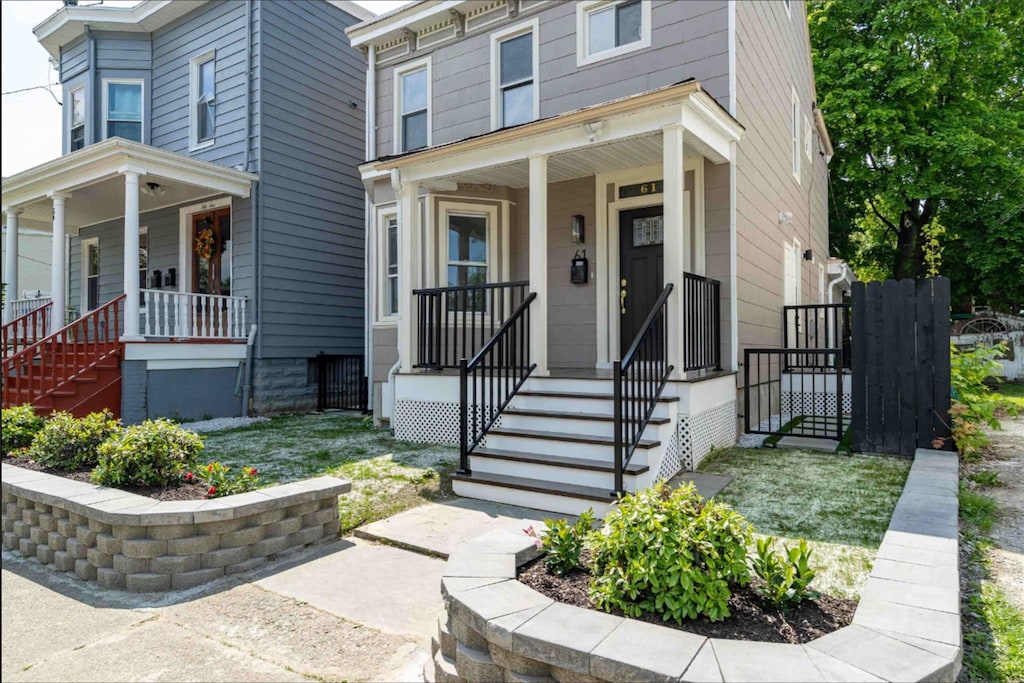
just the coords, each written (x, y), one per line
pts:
(596, 138)
(92, 177)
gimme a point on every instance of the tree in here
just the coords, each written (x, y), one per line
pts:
(924, 101)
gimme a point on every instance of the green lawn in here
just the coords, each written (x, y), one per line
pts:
(387, 475)
(1011, 394)
(841, 504)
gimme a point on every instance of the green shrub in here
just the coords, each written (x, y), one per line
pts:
(219, 481)
(787, 577)
(974, 405)
(154, 453)
(20, 426)
(562, 542)
(70, 443)
(671, 553)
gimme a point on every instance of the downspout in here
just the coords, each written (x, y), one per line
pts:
(369, 251)
(839, 278)
(248, 83)
(256, 200)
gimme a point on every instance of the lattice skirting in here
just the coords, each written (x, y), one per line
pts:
(814, 403)
(430, 422)
(700, 432)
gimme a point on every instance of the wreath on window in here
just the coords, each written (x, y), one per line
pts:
(203, 243)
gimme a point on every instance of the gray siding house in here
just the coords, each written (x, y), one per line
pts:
(548, 180)
(208, 191)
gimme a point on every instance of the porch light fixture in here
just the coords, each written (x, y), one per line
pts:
(576, 231)
(153, 189)
(593, 129)
(808, 255)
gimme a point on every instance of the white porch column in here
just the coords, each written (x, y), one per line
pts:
(59, 263)
(539, 262)
(131, 256)
(407, 194)
(11, 265)
(674, 239)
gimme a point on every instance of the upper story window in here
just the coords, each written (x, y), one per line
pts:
(808, 138)
(609, 28)
(122, 106)
(514, 67)
(203, 92)
(412, 106)
(77, 123)
(795, 130)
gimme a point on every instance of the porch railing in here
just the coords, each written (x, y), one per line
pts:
(702, 318)
(25, 306)
(639, 378)
(815, 326)
(456, 322)
(40, 369)
(26, 329)
(780, 403)
(185, 315)
(492, 377)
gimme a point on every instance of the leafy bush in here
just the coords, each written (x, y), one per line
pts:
(219, 481)
(70, 443)
(671, 553)
(974, 406)
(787, 576)
(154, 453)
(562, 543)
(20, 426)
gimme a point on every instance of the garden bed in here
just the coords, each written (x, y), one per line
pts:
(752, 617)
(181, 491)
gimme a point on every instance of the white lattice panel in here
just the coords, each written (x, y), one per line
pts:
(700, 432)
(814, 403)
(671, 464)
(427, 422)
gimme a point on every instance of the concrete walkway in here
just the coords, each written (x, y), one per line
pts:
(349, 610)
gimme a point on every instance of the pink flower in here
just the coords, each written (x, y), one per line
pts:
(212, 490)
(189, 477)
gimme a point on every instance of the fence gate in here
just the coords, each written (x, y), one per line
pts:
(900, 364)
(341, 382)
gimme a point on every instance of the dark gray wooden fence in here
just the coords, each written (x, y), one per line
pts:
(900, 365)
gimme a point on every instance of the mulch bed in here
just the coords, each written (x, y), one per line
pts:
(752, 618)
(183, 491)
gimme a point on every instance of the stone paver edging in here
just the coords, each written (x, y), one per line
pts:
(127, 541)
(906, 627)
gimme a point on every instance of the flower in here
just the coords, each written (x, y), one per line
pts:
(209, 468)
(189, 477)
(251, 471)
(212, 490)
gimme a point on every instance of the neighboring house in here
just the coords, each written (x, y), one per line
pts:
(33, 259)
(209, 191)
(667, 143)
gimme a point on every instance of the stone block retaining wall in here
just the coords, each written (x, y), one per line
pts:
(906, 628)
(127, 541)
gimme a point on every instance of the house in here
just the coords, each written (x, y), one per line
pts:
(593, 208)
(207, 208)
(33, 265)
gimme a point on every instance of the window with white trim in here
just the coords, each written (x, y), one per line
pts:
(795, 130)
(389, 266)
(514, 67)
(468, 258)
(609, 28)
(821, 283)
(412, 106)
(90, 273)
(123, 109)
(203, 95)
(76, 138)
(808, 138)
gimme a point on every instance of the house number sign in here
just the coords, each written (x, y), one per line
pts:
(641, 189)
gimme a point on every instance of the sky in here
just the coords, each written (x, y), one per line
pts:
(31, 129)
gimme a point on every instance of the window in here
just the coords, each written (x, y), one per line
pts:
(412, 110)
(808, 138)
(795, 130)
(203, 92)
(467, 258)
(821, 283)
(514, 66)
(122, 104)
(609, 28)
(77, 136)
(143, 259)
(391, 266)
(90, 273)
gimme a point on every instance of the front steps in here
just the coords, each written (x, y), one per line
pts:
(93, 389)
(553, 449)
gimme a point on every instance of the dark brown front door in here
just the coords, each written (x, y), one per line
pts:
(211, 254)
(641, 264)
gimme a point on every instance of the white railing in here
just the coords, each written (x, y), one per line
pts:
(185, 315)
(23, 306)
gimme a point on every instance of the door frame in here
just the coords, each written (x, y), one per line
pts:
(185, 214)
(607, 238)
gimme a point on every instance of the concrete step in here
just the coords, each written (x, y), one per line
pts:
(568, 499)
(552, 468)
(594, 424)
(561, 443)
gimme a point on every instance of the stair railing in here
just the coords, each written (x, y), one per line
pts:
(489, 381)
(26, 329)
(639, 379)
(38, 370)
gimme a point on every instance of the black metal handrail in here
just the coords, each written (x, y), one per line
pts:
(489, 381)
(702, 318)
(814, 326)
(639, 379)
(455, 322)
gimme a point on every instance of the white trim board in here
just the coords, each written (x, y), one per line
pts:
(183, 351)
(185, 214)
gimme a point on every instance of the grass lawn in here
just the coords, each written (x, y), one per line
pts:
(841, 504)
(387, 475)
(1011, 394)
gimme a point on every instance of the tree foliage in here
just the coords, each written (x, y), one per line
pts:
(924, 101)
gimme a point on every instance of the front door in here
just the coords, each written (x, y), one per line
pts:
(641, 267)
(211, 272)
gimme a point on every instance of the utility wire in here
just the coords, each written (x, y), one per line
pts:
(36, 87)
